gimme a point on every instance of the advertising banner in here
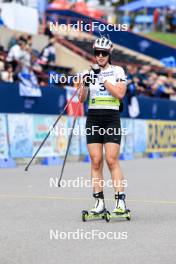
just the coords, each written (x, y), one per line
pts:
(20, 135)
(127, 136)
(75, 142)
(18, 17)
(123, 136)
(161, 136)
(140, 136)
(27, 89)
(41, 125)
(61, 136)
(4, 148)
(83, 143)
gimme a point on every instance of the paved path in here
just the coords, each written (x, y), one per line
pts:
(31, 211)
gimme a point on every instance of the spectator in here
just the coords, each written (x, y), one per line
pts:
(160, 87)
(163, 22)
(48, 31)
(1, 19)
(17, 51)
(34, 61)
(170, 19)
(143, 75)
(156, 17)
(7, 74)
(48, 54)
(29, 40)
(134, 83)
(26, 55)
(174, 20)
(1, 65)
(13, 41)
(2, 58)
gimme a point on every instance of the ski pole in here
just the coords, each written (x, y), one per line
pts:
(35, 154)
(68, 144)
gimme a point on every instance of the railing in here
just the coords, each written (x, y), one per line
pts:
(76, 49)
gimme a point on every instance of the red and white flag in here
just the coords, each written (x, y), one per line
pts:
(72, 106)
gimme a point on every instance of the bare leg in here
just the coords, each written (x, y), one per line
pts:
(112, 151)
(112, 155)
(96, 155)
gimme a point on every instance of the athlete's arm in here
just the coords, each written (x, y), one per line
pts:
(118, 90)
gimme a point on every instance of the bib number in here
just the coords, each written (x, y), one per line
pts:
(102, 88)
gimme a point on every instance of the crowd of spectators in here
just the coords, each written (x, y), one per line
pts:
(146, 81)
(22, 63)
(157, 20)
(164, 20)
(21, 60)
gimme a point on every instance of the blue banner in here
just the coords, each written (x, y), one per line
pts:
(83, 142)
(4, 147)
(20, 135)
(153, 108)
(140, 136)
(128, 137)
(51, 102)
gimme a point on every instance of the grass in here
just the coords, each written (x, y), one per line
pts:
(167, 38)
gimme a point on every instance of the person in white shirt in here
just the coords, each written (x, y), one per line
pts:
(17, 51)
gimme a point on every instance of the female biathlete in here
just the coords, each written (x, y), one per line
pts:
(105, 88)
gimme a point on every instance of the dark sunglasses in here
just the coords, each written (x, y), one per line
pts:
(104, 53)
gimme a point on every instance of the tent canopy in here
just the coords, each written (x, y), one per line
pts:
(59, 4)
(133, 6)
(136, 5)
(80, 7)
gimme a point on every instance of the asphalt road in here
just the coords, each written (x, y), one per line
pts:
(41, 224)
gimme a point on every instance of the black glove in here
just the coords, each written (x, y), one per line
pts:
(96, 68)
(87, 80)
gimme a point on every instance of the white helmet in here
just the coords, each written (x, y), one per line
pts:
(103, 43)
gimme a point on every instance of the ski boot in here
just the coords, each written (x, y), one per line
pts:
(98, 211)
(120, 210)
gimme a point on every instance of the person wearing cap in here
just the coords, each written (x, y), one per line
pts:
(105, 85)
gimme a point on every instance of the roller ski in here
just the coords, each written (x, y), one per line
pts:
(120, 210)
(98, 211)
